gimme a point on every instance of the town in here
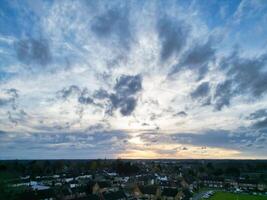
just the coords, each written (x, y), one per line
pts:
(131, 179)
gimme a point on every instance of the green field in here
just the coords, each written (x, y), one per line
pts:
(231, 196)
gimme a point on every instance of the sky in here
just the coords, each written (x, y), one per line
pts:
(133, 79)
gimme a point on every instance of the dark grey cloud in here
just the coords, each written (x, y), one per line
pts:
(198, 54)
(128, 85)
(97, 127)
(3, 102)
(261, 123)
(201, 91)
(149, 138)
(13, 92)
(125, 104)
(262, 113)
(12, 95)
(249, 74)
(2, 133)
(95, 140)
(85, 100)
(218, 138)
(124, 97)
(223, 94)
(128, 106)
(12, 119)
(181, 114)
(259, 118)
(173, 36)
(53, 127)
(114, 22)
(84, 97)
(100, 94)
(184, 148)
(244, 76)
(33, 51)
(17, 116)
(196, 58)
(239, 140)
(247, 140)
(66, 92)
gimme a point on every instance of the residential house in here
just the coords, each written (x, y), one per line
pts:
(89, 197)
(118, 195)
(103, 186)
(247, 184)
(262, 186)
(171, 194)
(147, 192)
(47, 194)
(213, 182)
(146, 180)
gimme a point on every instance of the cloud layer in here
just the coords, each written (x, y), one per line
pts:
(135, 79)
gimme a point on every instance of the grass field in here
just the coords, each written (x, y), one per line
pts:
(231, 196)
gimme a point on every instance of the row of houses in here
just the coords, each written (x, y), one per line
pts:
(136, 192)
(109, 186)
(240, 184)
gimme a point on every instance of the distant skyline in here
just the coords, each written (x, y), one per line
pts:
(133, 79)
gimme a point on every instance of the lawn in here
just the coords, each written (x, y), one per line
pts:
(231, 196)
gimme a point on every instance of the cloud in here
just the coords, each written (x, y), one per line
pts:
(67, 92)
(33, 51)
(261, 113)
(259, 118)
(113, 22)
(9, 97)
(84, 97)
(223, 94)
(127, 106)
(198, 54)
(261, 123)
(128, 85)
(101, 94)
(196, 58)
(247, 74)
(124, 98)
(201, 94)
(181, 114)
(219, 138)
(92, 142)
(173, 35)
(248, 140)
(201, 91)
(17, 117)
(248, 10)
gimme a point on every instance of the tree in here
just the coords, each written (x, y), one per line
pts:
(232, 171)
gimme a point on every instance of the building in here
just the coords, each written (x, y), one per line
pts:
(171, 194)
(147, 192)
